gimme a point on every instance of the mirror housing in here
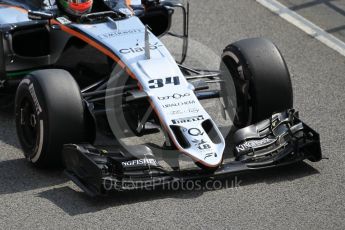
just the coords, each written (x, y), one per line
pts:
(40, 15)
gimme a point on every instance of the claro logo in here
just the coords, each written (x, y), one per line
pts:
(140, 49)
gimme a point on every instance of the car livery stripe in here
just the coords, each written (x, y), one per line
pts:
(128, 4)
(74, 32)
(15, 7)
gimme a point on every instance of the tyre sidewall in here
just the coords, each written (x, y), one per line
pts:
(60, 108)
(34, 95)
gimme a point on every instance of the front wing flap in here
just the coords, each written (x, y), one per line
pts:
(274, 140)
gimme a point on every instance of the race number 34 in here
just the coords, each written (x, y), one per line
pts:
(159, 83)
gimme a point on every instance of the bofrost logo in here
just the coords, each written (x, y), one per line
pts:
(174, 96)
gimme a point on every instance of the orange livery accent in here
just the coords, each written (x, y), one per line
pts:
(128, 2)
(95, 45)
(15, 7)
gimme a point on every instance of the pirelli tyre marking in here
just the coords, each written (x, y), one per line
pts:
(38, 110)
(34, 97)
(188, 119)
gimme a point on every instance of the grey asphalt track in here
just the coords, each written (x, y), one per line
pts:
(303, 196)
(328, 14)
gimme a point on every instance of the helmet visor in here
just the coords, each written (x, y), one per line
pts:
(80, 6)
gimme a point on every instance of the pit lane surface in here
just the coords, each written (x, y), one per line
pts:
(303, 196)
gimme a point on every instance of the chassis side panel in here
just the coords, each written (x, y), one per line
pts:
(24, 43)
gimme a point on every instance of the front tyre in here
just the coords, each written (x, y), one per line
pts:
(261, 79)
(49, 113)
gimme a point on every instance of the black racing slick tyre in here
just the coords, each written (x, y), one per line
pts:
(260, 77)
(49, 113)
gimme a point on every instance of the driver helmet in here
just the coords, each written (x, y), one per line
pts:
(76, 7)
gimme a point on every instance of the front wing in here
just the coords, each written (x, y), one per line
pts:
(283, 139)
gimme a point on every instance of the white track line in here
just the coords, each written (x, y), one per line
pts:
(305, 25)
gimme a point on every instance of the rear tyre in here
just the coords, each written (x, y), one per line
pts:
(49, 113)
(261, 79)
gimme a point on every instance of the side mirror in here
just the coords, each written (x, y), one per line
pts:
(39, 15)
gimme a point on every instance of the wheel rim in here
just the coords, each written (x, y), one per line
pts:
(28, 125)
(241, 113)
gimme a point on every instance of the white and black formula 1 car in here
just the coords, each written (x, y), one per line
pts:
(87, 90)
